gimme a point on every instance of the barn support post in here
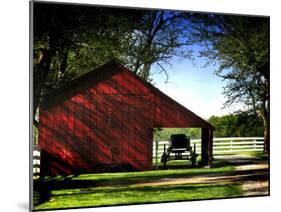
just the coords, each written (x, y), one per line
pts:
(210, 150)
(206, 146)
(156, 154)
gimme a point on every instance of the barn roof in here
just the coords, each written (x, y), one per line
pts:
(114, 63)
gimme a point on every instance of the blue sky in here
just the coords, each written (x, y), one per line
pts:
(194, 86)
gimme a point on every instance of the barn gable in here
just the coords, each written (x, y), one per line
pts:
(168, 112)
(114, 79)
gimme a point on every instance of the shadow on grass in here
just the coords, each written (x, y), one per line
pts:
(44, 188)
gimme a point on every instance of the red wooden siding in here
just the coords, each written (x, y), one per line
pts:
(108, 109)
(169, 113)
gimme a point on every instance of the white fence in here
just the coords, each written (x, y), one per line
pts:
(220, 145)
(36, 161)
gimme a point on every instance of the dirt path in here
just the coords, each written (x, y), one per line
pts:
(255, 188)
(251, 173)
(245, 173)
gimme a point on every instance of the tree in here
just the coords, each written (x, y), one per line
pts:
(240, 46)
(158, 38)
(70, 39)
(237, 125)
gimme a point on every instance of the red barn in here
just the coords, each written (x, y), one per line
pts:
(108, 112)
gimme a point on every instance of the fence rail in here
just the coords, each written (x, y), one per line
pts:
(220, 145)
(36, 161)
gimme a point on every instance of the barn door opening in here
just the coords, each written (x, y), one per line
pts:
(177, 159)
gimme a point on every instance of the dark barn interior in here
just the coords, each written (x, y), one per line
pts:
(106, 117)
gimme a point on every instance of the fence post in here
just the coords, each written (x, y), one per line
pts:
(230, 145)
(255, 144)
(156, 156)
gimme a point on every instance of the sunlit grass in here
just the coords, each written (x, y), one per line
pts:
(101, 196)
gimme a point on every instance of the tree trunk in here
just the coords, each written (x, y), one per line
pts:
(266, 140)
(41, 71)
(266, 133)
(145, 72)
(265, 118)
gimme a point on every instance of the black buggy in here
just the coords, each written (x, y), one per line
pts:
(179, 143)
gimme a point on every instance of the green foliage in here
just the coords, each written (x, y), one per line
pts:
(238, 125)
(240, 46)
(70, 40)
(158, 38)
(235, 125)
(35, 135)
(165, 133)
(79, 37)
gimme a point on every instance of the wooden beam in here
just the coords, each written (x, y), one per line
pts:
(206, 146)
(210, 147)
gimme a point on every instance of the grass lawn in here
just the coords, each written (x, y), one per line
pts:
(128, 188)
(101, 196)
